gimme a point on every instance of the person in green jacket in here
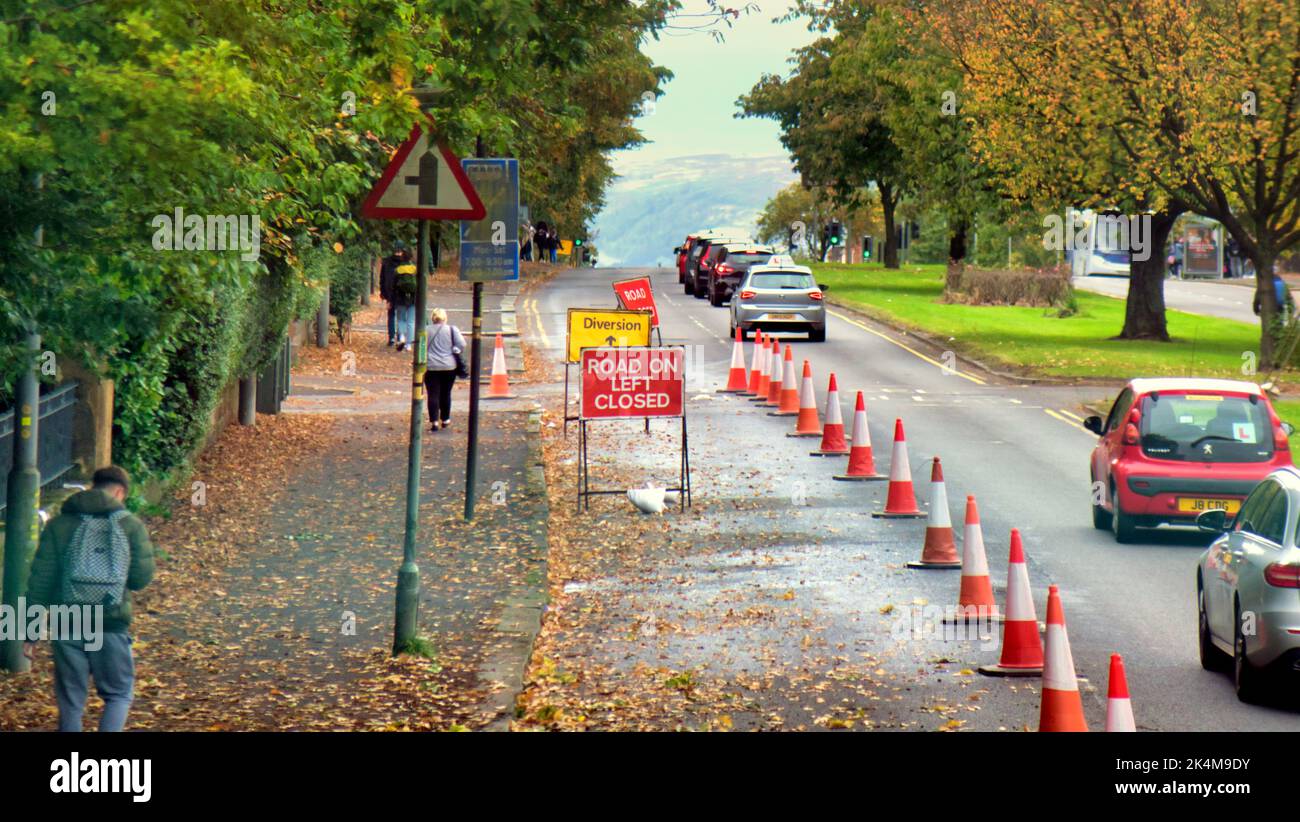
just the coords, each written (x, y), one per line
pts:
(106, 658)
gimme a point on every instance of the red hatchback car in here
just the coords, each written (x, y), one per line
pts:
(1173, 448)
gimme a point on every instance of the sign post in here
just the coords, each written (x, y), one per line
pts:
(422, 182)
(489, 250)
(627, 383)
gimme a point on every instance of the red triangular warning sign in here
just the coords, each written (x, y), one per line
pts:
(423, 182)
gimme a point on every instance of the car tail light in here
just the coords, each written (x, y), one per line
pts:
(1279, 438)
(816, 295)
(747, 295)
(1130, 434)
(725, 269)
(1281, 575)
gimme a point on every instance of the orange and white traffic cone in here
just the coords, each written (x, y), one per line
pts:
(756, 369)
(862, 467)
(940, 550)
(1061, 707)
(808, 425)
(1022, 647)
(975, 600)
(788, 401)
(775, 373)
(764, 374)
(833, 431)
(1119, 708)
(900, 503)
(736, 382)
(499, 388)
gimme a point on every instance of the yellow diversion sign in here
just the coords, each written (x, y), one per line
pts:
(597, 327)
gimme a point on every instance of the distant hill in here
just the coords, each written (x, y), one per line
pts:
(652, 206)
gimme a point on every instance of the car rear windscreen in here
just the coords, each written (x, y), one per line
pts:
(781, 279)
(1206, 427)
(743, 259)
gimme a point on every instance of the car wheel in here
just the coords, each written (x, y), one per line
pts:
(715, 298)
(1121, 524)
(1247, 679)
(817, 335)
(688, 285)
(700, 292)
(1212, 659)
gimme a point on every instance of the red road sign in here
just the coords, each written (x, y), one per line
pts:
(637, 295)
(633, 382)
(423, 182)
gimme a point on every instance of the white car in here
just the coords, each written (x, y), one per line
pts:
(779, 296)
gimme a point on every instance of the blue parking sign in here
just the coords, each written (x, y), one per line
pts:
(489, 248)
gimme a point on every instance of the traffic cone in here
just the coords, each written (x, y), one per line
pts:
(775, 373)
(975, 600)
(1119, 708)
(808, 425)
(940, 551)
(499, 388)
(1022, 648)
(736, 383)
(788, 401)
(756, 369)
(1061, 707)
(901, 500)
(861, 465)
(833, 431)
(764, 374)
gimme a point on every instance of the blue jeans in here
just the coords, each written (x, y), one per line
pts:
(406, 323)
(114, 671)
(392, 326)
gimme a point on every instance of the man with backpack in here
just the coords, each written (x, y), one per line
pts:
(93, 554)
(387, 279)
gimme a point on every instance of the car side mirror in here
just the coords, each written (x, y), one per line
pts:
(1093, 424)
(677, 250)
(1288, 428)
(823, 287)
(1214, 521)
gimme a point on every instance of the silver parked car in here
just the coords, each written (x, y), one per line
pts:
(779, 296)
(1248, 586)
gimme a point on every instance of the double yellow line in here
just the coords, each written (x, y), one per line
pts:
(907, 348)
(1067, 417)
(530, 306)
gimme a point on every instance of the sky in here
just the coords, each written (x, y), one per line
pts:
(695, 115)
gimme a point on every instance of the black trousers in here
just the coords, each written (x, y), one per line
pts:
(437, 387)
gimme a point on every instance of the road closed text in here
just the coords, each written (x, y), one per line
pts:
(632, 382)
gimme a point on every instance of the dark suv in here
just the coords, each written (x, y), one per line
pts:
(733, 260)
(704, 255)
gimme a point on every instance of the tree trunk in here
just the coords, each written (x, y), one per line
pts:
(1144, 309)
(1270, 320)
(888, 203)
(956, 256)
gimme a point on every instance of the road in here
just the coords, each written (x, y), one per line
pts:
(1020, 449)
(1213, 298)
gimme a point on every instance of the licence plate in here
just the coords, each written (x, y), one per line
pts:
(780, 316)
(1198, 504)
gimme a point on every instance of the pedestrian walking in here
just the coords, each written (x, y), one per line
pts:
(1281, 294)
(387, 277)
(445, 364)
(91, 557)
(404, 288)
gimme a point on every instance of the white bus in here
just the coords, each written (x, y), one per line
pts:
(1101, 246)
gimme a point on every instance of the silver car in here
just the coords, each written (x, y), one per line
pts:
(779, 296)
(1248, 586)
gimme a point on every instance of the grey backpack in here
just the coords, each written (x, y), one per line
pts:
(97, 561)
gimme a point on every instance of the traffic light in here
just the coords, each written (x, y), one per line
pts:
(578, 242)
(836, 232)
(867, 243)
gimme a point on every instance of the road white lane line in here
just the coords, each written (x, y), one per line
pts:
(946, 369)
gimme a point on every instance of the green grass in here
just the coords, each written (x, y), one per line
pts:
(1289, 411)
(1036, 340)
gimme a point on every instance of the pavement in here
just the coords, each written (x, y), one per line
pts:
(1230, 299)
(773, 536)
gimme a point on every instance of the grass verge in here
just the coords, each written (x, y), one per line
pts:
(1036, 340)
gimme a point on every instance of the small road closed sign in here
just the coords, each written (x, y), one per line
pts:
(633, 382)
(637, 295)
(604, 327)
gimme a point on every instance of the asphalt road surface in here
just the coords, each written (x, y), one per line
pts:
(1019, 448)
(1230, 299)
